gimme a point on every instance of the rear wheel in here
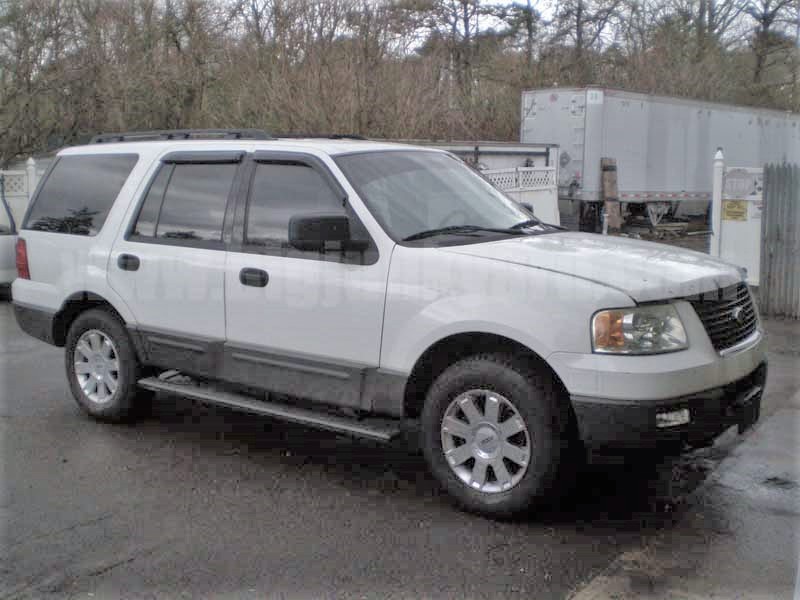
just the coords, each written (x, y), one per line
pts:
(492, 434)
(102, 367)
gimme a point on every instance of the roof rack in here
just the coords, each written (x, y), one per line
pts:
(327, 136)
(181, 134)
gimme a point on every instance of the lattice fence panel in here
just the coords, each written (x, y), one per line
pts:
(522, 178)
(502, 179)
(16, 183)
(531, 177)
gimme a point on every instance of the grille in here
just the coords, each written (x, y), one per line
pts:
(727, 314)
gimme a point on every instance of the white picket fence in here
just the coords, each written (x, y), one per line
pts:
(18, 187)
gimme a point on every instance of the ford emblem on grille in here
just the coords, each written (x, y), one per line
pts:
(737, 315)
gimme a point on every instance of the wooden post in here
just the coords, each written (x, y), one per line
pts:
(613, 214)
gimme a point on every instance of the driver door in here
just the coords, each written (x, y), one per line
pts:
(305, 323)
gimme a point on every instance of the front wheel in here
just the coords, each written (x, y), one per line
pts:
(492, 434)
(102, 367)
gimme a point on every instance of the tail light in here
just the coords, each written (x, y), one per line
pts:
(23, 272)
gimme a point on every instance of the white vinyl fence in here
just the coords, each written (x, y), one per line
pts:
(18, 188)
(536, 186)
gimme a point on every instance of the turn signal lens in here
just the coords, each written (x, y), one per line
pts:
(608, 330)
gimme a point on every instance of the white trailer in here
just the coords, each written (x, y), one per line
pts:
(663, 146)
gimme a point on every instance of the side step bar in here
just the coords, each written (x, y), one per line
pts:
(382, 430)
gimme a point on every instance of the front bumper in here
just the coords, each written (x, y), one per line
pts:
(611, 423)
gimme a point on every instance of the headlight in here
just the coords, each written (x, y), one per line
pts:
(640, 330)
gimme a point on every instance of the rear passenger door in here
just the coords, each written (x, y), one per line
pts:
(170, 264)
(311, 325)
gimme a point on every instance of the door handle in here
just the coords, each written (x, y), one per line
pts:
(253, 277)
(128, 262)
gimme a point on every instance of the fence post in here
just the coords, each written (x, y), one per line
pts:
(30, 167)
(716, 202)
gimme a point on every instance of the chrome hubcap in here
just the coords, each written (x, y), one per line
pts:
(96, 366)
(485, 441)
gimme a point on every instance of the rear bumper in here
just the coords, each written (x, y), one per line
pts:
(616, 424)
(34, 321)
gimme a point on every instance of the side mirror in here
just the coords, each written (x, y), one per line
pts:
(315, 232)
(527, 206)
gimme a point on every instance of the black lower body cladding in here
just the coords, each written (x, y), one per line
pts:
(610, 424)
(36, 322)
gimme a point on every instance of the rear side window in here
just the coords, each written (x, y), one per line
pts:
(186, 204)
(79, 193)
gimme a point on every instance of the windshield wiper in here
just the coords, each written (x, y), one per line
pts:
(458, 229)
(536, 223)
(528, 223)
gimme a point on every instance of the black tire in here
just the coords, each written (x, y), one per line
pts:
(536, 398)
(127, 401)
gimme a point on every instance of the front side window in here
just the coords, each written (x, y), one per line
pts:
(186, 203)
(280, 191)
(410, 192)
(79, 193)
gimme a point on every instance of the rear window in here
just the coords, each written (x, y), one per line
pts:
(79, 192)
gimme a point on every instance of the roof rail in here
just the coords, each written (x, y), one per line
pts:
(181, 134)
(327, 136)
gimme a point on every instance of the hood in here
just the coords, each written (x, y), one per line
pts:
(645, 271)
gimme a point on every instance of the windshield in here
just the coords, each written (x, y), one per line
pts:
(410, 192)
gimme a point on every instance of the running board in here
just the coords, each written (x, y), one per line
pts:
(382, 430)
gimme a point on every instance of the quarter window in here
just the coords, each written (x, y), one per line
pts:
(79, 192)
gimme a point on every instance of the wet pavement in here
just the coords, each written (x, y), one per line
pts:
(204, 502)
(738, 540)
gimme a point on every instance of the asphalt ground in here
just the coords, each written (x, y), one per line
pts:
(197, 501)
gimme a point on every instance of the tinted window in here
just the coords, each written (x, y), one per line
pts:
(186, 202)
(195, 201)
(148, 215)
(280, 191)
(79, 193)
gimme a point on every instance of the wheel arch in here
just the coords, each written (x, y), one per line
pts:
(74, 305)
(452, 348)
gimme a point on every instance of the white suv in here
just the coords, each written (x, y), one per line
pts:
(358, 286)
